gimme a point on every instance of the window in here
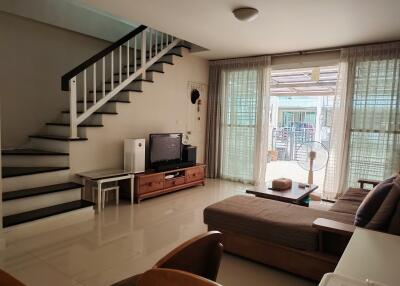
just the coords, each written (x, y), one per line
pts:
(375, 132)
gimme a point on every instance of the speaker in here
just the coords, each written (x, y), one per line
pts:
(189, 154)
(134, 155)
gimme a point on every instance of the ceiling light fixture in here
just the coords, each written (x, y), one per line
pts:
(245, 14)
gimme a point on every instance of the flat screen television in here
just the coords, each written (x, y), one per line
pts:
(165, 148)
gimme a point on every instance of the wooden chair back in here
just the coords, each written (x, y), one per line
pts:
(172, 277)
(7, 280)
(200, 256)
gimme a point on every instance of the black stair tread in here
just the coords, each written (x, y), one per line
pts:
(111, 101)
(139, 52)
(183, 46)
(80, 125)
(114, 100)
(9, 172)
(19, 194)
(179, 45)
(143, 79)
(96, 112)
(173, 54)
(135, 80)
(148, 70)
(44, 212)
(57, 137)
(157, 62)
(32, 152)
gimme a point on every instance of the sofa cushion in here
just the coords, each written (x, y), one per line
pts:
(350, 201)
(381, 219)
(394, 225)
(372, 202)
(274, 221)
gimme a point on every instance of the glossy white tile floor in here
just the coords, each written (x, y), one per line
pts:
(126, 240)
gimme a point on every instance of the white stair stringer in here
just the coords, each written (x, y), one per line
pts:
(62, 130)
(49, 145)
(35, 161)
(40, 201)
(28, 229)
(93, 119)
(35, 180)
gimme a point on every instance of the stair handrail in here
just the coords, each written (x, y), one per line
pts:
(80, 68)
(147, 45)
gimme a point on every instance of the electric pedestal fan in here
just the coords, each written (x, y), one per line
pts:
(312, 156)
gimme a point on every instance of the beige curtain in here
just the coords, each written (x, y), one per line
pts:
(365, 134)
(236, 119)
(213, 136)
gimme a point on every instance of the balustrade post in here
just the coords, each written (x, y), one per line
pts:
(143, 54)
(73, 109)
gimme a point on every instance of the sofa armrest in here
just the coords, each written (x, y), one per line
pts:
(327, 225)
(362, 182)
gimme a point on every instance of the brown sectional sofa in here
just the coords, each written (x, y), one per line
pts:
(304, 241)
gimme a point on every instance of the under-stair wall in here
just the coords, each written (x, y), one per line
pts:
(36, 56)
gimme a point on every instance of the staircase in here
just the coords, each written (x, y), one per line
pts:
(37, 184)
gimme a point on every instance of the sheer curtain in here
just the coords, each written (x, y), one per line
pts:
(236, 119)
(366, 132)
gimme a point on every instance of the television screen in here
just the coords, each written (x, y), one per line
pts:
(165, 148)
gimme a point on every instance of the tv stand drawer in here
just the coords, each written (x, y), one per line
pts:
(195, 174)
(151, 183)
(174, 182)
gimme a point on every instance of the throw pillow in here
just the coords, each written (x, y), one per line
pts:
(372, 202)
(381, 219)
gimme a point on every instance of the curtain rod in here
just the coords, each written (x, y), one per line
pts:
(305, 52)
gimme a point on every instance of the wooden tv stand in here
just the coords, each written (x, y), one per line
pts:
(151, 184)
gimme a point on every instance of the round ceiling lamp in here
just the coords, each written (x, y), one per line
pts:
(245, 14)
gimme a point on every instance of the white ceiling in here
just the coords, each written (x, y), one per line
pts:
(282, 26)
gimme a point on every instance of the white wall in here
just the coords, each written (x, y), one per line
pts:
(164, 106)
(33, 58)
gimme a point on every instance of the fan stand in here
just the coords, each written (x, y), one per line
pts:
(312, 156)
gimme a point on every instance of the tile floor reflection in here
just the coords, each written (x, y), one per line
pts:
(129, 239)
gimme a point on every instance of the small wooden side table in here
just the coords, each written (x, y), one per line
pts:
(104, 176)
(294, 195)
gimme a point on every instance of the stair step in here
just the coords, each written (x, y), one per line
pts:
(135, 80)
(111, 101)
(14, 195)
(148, 70)
(9, 172)
(29, 216)
(32, 152)
(114, 100)
(97, 112)
(80, 125)
(151, 70)
(183, 45)
(173, 54)
(138, 65)
(58, 138)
